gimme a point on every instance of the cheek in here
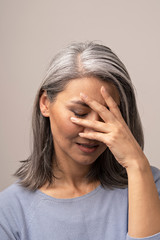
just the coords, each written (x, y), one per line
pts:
(69, 129)
(64, 127)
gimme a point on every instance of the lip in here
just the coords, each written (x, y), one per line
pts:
(90, 144)
(87, 147)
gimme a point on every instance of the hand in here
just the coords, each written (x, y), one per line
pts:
(113, 131)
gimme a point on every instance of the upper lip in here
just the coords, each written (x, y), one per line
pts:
(88, 144)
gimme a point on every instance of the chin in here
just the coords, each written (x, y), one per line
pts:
(86, 162)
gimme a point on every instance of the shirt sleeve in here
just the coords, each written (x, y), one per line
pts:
(156, 175)
(8, 223)
(153, 237)
(7, 230)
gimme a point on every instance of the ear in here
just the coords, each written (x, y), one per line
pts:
(44, 104)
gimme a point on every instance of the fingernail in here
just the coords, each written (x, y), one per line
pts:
(74, 119)
(83, 96)
(103, 89)
(81, 134)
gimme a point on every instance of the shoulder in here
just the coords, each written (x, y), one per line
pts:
(16, 201)
(156, 176)
(156, 173)
(15, 194)
(16, 205)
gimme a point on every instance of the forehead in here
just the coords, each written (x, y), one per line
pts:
(90, 86)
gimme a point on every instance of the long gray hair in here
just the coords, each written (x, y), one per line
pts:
(76, 61)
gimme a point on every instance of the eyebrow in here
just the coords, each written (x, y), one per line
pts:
(84, 104)
(80, 103)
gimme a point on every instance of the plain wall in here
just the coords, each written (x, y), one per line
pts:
(32, 31)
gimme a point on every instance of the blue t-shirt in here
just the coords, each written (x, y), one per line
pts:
(99, 215)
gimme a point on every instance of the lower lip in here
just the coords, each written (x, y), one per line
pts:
(87, 150)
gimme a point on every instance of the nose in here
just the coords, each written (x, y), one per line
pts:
(93, 117)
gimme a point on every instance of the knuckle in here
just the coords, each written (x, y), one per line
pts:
(112, 140)
(102, 109)
(114, 105)
(91, 135)
(93, 123)
(118, 131)
(89, 101)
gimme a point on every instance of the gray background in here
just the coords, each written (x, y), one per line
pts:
(32, 31)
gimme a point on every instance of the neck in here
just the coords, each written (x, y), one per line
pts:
(70, 180)
(69, 173)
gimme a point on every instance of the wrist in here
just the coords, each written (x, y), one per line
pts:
(138, 166)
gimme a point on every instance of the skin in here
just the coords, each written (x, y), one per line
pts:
(107, 128)
(71, 160)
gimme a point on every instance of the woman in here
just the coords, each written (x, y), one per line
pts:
(87, 176)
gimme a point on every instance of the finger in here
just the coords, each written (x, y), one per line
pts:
(93, 136)
(95, 125)
(101, 137)
(103, 112)
(111, 103)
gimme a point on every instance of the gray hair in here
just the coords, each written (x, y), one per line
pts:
(76, 61)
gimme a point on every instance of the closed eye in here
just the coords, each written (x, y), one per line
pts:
(80, 115)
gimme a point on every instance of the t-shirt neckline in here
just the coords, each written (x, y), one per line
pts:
(87, 195)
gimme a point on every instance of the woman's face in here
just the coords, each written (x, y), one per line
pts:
(68, 145)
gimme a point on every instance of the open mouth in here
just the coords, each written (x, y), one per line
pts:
(87, 148)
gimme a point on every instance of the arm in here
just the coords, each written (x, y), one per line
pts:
(144, 204)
